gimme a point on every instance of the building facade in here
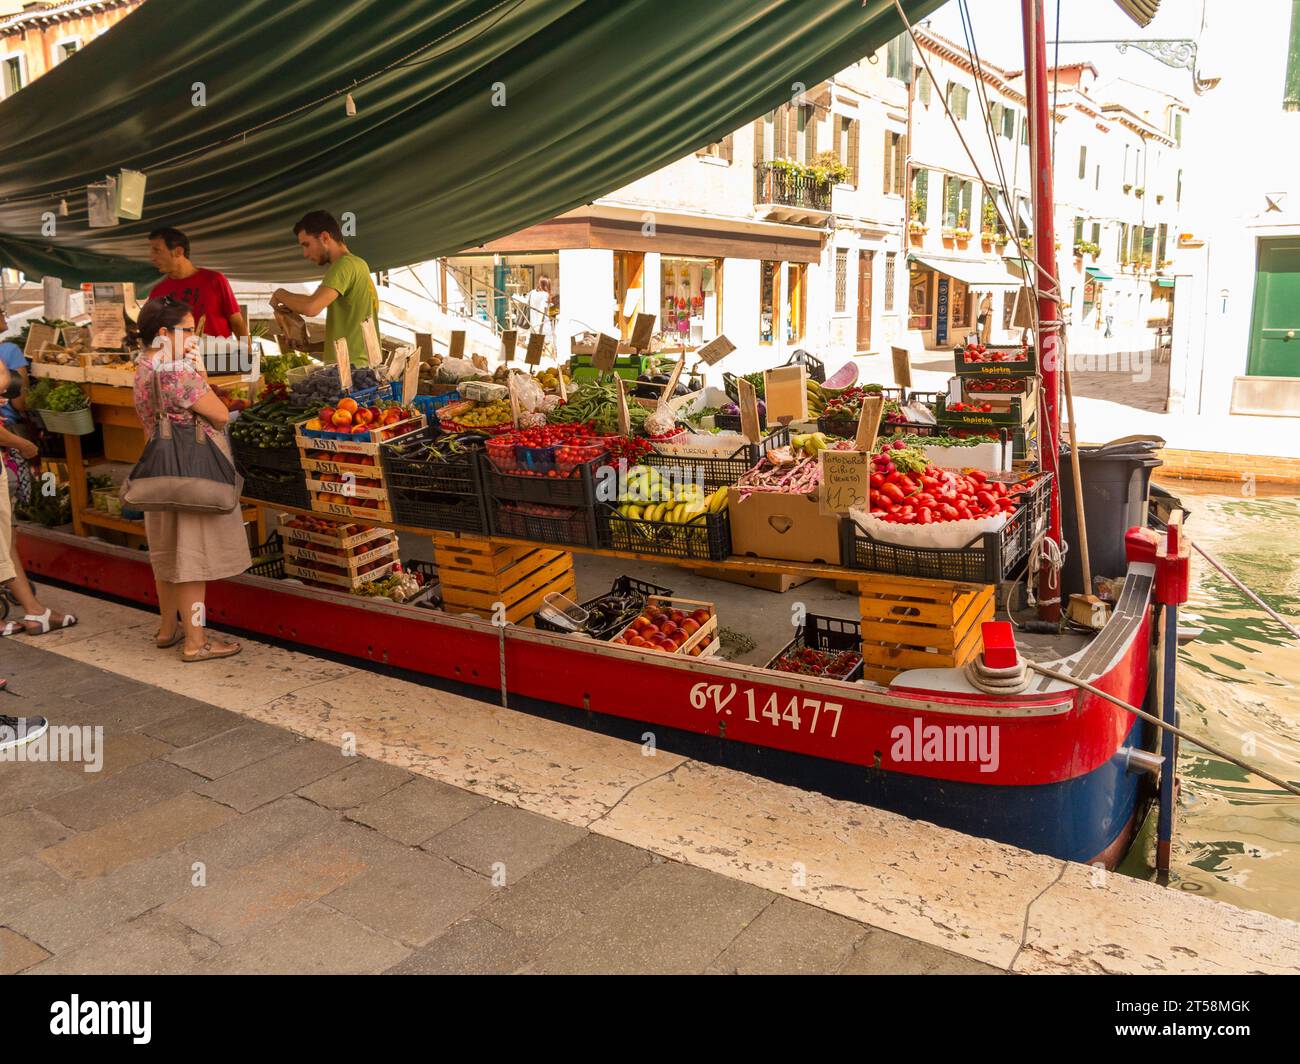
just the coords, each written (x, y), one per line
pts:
(1237, 322)
(42, 35)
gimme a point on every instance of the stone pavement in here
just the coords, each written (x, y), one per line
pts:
(211, 843)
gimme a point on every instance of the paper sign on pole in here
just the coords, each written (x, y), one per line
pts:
(374, 353)
(902, 367)
(411, 379)
(642, 330)
(536, 342)
(749, 426)
(846, 481)
(873, 407)
(674, 377)
(624, 418)
(456, 346)
(424, 341)
(345, 363)
(38, 335)
(785, 393)
(716, 350)
(605, 354)
(508, 340)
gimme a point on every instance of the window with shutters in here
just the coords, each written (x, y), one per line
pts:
(1162, 242)
(1291, 84)
(898, 58)
(13, 74)
(895, 162)
(1083, 161)
(1178, 189)
(891, 279)
(924, 88)
(1178, 129)
(1097, 181)
(1122, 254)
(1078, 229)
(841, 280)
(1008, 123)
(958, 99)
(957, 195)
(1148, 246)
(1096, 233)
(847, 146)
(920, 205)
(1024, 129)
(719, 149)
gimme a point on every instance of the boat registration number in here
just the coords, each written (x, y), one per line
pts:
(778, 709)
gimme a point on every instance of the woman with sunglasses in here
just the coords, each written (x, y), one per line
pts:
(186, 550)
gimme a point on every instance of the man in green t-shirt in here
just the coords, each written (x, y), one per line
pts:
(346, 292)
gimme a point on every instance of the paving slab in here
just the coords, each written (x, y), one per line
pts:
(472, 947)
(503, 842)
(193, 722)
(314, 941)
(356, 784)
(301, 763)
(671, 919)
(885, 953)
(155, 828)
(790, 938)
(230, 751)
(25, 882)
(267, 830)
(417, 810)
(18, 954)
(152, 944)
(101, 801)
(410, 897)
(27, 783)
(118, 751)
(29, 830)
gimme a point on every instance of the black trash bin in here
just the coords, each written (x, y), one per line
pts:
(1116, 481)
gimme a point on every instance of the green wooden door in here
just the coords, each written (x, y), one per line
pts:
(1275, 324)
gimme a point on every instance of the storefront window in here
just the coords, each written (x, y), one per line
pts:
(960, 305)
(796, 294)
(479, 287)
(769, 283)
(690, 299)
(918, 299)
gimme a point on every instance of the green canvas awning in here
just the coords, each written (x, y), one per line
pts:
(475, 118)
(1163, 282)
(1096, 273)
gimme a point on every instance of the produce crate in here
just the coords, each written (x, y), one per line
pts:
(268, 558)
(816, 368)
(350, 562)
(344, 537)
(285, 458)
(826, 633)
(702, 642)
(476, 574)
(382, 511)
(362, 487)
(275, 486)
(575, 525)
(1021, 367)
(849, 429)
(429, 404)
(987, 559)
(76, 370)
(731, 422)
(623, 585)
(978, 389)
(1007, 410)
(629, 367)
(921, 625)
(354, 442)
(707, 540)
(458, 475)
(334, 578)
(719, 472)
(577, 489)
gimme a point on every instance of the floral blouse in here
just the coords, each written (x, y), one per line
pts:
(181, 384)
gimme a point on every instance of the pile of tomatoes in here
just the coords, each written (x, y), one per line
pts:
(938, 495)
(971, 408)
(980, 353)
(998, 384)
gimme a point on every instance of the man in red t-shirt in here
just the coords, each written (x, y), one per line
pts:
(207, 292)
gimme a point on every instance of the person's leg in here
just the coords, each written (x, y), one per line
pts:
(168, 610)
(21, 589)
(193, 617)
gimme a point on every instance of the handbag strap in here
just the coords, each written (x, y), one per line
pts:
(164, 421)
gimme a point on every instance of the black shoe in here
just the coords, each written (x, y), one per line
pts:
(19, 731)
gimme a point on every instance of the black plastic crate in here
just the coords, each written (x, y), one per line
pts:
(730, 387)
(458, 475)
(987, 559)
(731, 422)
(287, 488)
(247, 454)
(707, 541)
(575, 490)
(268, 558)
(576, 528)
(816, 368)
(714, 473)
(441, 511)
(622, 585)
(827, 633)
(1026, 367)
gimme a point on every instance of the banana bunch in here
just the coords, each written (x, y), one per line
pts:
(688, 505)
(810, 444)
(645, 485)
(816, 399)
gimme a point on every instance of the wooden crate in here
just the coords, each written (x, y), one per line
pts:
(345, 580)
(358, 488)
(341, 508)
(475, 573)
(76, 371)
(701, 643)
(301, 535)
(352, 562)
(920, 624)
(354, 443)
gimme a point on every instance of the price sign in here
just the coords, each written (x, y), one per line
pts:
(344, 363)
(902, 367)
(716, 350)
(424, 341)
(642, 330)
(411, 380)
(674, 377)
(533, 356)
(605, 354)
(508, 340)
(785, 391)
(748, 411)
(873, 407)
(846, 481)
(624, 418)
(39, 334)
(456, 347)
(374, 353)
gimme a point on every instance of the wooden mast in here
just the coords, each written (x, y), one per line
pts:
(1049, 347)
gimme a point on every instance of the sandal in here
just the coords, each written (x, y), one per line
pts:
(43, 622)
(208, 653)
(179, 637)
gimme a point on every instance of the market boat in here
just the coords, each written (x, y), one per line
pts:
(1051, 767)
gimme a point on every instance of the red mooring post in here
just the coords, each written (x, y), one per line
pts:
(1049, 355)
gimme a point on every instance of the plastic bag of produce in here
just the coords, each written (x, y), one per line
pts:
(661, 422)
(945, 535)
(455, 370)
(529, 393)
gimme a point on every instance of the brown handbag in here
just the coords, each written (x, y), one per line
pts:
(180, 472)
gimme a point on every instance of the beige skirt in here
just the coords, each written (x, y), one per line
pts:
(187, 548)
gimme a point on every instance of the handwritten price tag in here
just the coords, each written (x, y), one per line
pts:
(846, 480)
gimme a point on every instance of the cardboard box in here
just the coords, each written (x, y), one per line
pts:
(785, 527)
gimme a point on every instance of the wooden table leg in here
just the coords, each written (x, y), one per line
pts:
(76, 481)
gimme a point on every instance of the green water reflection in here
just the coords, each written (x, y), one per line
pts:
(1238, 837)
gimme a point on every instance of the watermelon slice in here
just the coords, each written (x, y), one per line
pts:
(844, 377)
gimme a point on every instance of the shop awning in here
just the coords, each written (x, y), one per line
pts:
(474, 118)
(978, 273)
(1096, 273)
(1163, 282)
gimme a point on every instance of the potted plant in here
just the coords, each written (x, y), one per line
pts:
(988, 224)
(916, 231)
(1127, 189)
(1139, 192)
(64, 408)
(1086, 247)
(1160, 197)
(962, 232)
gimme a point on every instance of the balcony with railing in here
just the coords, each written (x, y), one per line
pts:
(785, 193)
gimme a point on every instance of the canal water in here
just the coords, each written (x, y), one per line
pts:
(1237, 837)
